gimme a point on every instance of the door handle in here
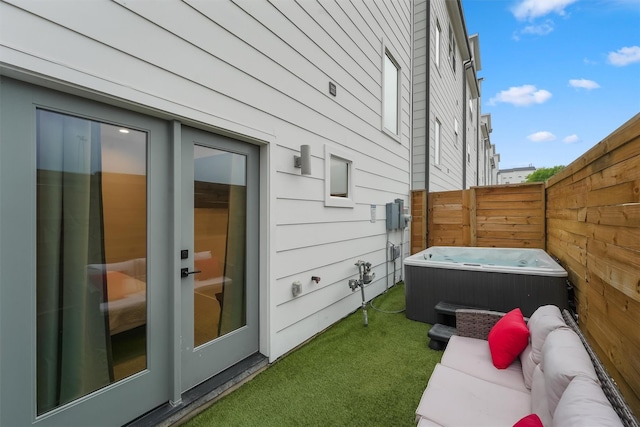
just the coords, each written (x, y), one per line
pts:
(184, 272)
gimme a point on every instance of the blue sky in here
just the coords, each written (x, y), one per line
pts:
(559, 75)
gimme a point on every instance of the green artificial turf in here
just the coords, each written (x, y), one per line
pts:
(349, 375)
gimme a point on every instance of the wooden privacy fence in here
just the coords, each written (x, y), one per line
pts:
(511, 216)
(593, 227)
(592, 211)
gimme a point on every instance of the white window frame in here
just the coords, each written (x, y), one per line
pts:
(452, 48)
(386, 53)
(334, 201)
(438, 42)
(437, 139)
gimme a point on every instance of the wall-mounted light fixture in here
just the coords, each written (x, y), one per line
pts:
(303, 161)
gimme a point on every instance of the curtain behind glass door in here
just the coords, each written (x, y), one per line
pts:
(220, 224)
(91, 256)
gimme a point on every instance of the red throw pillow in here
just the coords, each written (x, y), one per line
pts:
(531, 420)
(508, 338)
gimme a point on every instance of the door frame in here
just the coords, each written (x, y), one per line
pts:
(19, 390)
(197, 363)
(20, 102)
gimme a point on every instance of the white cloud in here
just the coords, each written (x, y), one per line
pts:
(529, 9)
(571, 139)
(542, 136)
(539, 30)
(521, 96)
(584, 84)
(625, 56)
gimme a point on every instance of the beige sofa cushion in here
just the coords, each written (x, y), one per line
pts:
(545, 319)
(539, 400)
(583, 403)
(528, 365)
(563, 358)
(454, 398)
(423, 422)
(472, 356)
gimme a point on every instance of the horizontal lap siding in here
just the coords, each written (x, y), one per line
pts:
(421, 43)
(264, 68)
(594, 228)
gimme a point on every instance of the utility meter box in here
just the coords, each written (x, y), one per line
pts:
(393, 216)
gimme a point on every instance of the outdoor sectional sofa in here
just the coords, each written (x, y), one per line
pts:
(557, 380)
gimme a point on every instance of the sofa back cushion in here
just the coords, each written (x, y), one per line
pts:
(539, 399)
(563, 358)
(544, 320)
(528, 365)
(583, 403)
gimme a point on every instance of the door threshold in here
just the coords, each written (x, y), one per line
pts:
(203, 395)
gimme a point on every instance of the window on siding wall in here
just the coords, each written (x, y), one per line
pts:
(436, 151)
(452, 48)
(390, 96)
(339, 185)
(438, 38)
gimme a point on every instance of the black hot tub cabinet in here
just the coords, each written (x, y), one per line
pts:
(498, 279)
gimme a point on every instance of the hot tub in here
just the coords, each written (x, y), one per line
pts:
(498, 279)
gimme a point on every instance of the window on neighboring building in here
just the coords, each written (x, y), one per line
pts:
(436, 151)
(438, 37)
(452, 48)
(391, 72)
(339, 185)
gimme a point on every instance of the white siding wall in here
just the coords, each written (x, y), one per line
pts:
(259, 71)
(420, 45)
(446, 106)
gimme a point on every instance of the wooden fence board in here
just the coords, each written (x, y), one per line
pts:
(626, 192)
(620, 215)
(492, 242)
(621, 354)
(510, 219)
(597, 199)
(419, 226)
(625, 237)
(625, 171)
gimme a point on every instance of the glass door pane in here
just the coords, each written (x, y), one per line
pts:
(91, 256)
(219, 216)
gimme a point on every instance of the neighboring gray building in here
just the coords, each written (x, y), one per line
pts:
(488, 156)
(515, 175)
(451, 136)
